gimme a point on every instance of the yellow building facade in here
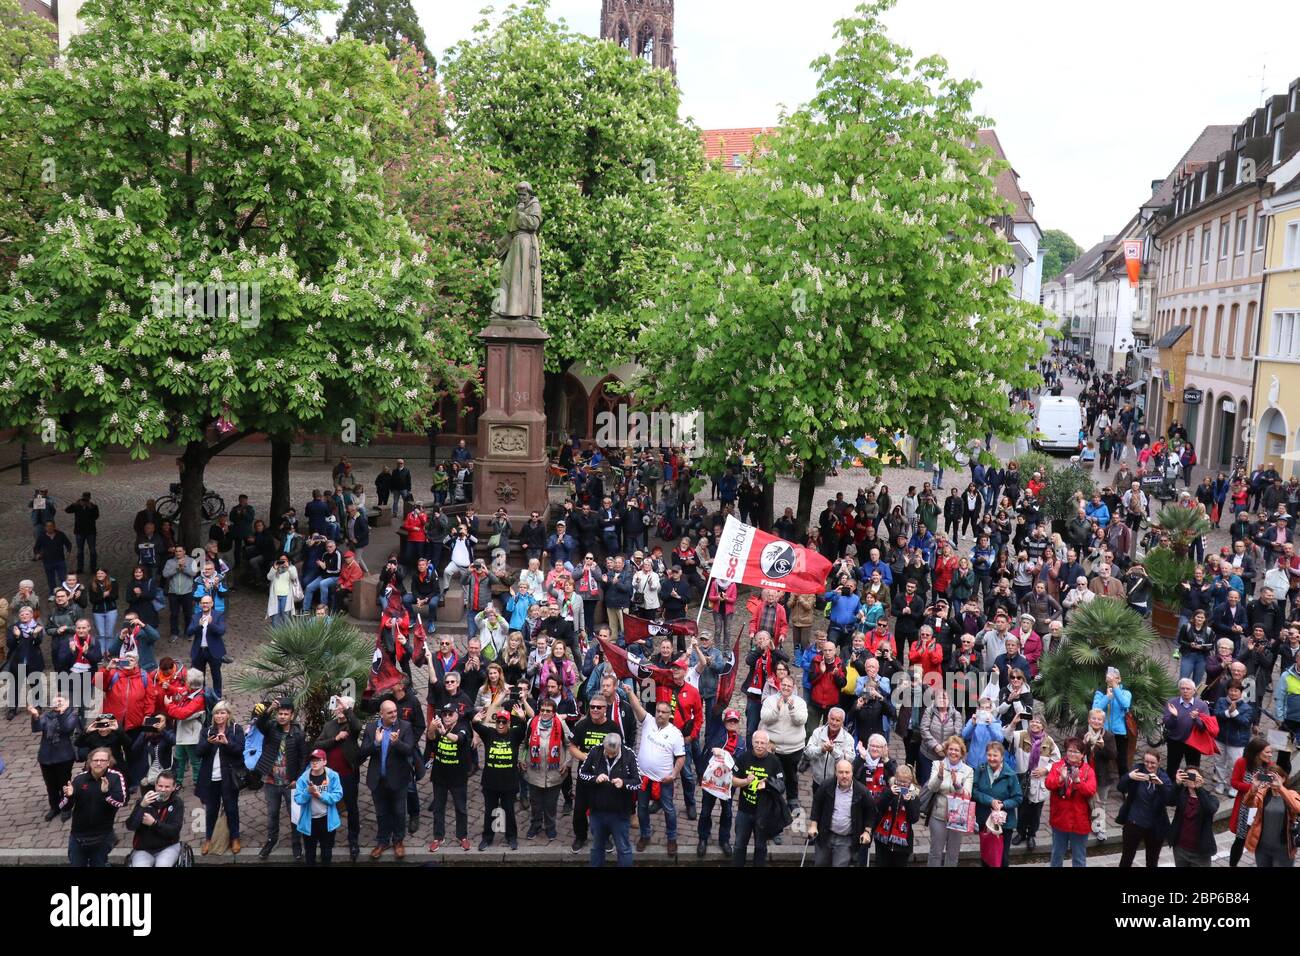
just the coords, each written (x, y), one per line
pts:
(1277, 365)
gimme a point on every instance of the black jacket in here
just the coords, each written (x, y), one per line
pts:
(84, 517)
(861, 811)
(295, 747)
(532, 537)
(605, 797)
(58, 734)
(350, 744)
(1146, 805)
(230, 753)
(166, 829)
(398, 772)
(93, 808)
(1209, 805)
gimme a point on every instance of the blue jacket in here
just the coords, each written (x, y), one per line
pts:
(1234, 731)
(978, 737)
(216, 637)
(330, 796)
(1115, 709)
(561, 549)
(715, 668)
(803, 660)
(886, 572)
(1098, 511)
(1005, 787)
(844, 609)
(1146, 805)
(982, 559)
(1286, 694)
(925, 543)
(517, 607)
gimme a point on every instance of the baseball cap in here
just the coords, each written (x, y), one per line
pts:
(448, 709)
(502, 715)
(318, 754)
(349, 554)
(732, 714)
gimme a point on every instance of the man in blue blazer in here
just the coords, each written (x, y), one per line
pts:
(208, 650)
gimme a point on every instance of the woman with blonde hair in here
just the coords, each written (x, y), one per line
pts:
(514, 659)
(951, 778)
(1034, 752)
(221, 752)
(898, 806)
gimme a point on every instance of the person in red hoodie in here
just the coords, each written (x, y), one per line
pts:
(927, 652)
(414, 526)
(168, 679)
(945, 566)
(1072, 783)
(128, 693)
(826, 677)
(349, 575)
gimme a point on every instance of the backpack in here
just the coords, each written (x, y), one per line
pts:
(253, 743)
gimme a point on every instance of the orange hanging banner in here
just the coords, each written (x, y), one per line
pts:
(1133, 260)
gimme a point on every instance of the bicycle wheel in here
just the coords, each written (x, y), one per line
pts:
(213, 506)
(168, 507)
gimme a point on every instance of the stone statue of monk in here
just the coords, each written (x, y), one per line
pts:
(519, 294)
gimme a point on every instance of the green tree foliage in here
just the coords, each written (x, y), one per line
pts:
(390, 23)
(1103, 633)
(842, 285)
(308, 660)
(219, 146)
(596, 133)
(27, 42)
(1183, 525)
(1058, 251)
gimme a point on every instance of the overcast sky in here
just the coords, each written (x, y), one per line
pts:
(1092, 101)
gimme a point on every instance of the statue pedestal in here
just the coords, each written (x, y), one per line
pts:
(510, 471)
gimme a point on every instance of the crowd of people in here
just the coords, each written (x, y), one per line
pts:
(582, 687)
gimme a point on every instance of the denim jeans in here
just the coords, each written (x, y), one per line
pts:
(166, 857)
(284, 612)
(56, 573)
(221, 793)
(89, 855)
(746, 826)
(706, 818)
(1078, 846)
(665, 803)
(603, 825)
(106, 630)
(277, 796)
(390, 811)
(180, 606)
(321, 586)
(1192, 665)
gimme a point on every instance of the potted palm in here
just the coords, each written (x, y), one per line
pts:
(1103, 633)
(310, 659)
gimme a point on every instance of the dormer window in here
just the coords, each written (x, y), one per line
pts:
(1277, 144)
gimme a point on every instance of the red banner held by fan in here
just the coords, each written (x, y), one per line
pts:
(749, 556)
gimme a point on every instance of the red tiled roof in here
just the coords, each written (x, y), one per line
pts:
(1008, 182)
(725, 144)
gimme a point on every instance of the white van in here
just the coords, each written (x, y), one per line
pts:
(1057, 424)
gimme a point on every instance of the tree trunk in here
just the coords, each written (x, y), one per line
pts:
(193, 462)
(281, 452)
(808, 482)
(766, 506)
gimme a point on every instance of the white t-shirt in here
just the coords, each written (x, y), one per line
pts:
(658, 749)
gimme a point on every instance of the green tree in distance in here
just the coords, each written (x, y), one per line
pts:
(392, 24)
(596, 133)
(1058, 251)
(842, 285)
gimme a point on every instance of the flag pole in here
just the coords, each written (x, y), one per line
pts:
(700, 613)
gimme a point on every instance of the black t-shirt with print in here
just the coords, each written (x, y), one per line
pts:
(760, 768)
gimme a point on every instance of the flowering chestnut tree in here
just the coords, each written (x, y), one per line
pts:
(844, 284)
(221, 258)
(596, 133)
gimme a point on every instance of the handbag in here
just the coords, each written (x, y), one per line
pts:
(991, 847)
(961, 814)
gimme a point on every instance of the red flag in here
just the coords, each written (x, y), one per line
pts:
(626, 667)
(637, 629)
(749, 556)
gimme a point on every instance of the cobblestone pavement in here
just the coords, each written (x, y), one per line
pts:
(120, 491)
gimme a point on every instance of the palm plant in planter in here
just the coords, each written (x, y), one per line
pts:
(1103, 633)
(310, 659)
(1167, 572)
(1182, 525)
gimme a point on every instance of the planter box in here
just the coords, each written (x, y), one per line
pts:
(1164, 619)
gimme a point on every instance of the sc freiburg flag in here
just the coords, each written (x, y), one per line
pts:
(749, 556)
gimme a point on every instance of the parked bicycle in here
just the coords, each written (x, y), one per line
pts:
(169, 505)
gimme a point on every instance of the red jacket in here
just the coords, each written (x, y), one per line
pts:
(414, 526)
(826, 684)
(128, 696)
(349, 575)
(187, 706)
(753, 606)
(944, 568)
(688, 707)
(1069, 812)
(931, 659)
